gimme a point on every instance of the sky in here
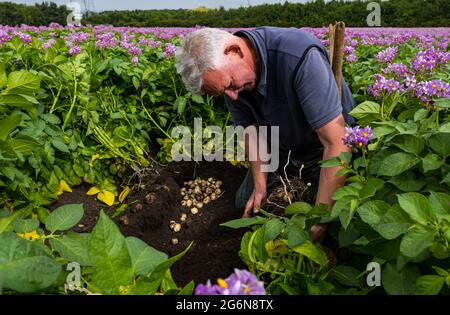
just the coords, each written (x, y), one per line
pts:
(102, 5)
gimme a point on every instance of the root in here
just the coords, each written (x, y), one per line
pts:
(291, 189)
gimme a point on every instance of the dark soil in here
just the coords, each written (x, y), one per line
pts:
(215, 250)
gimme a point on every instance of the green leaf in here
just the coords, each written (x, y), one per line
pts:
(397, 163)
(179, 104)
(345, 157)
(22, 82)
(416, 240)
(407, 182)
(25, 266)
(25, 225)
(382, 131)
(51, 118)
(445, 128)
(8, 125)
(343, 171)
(6, 222)
(296, 231)
(369, 189)
(431, 162)
(60, 145)
(429, 285)
(3, 77)
(25, 145)
(346, 275)
(348, 236)
(440, 202)
(346, 191)
(440, 143)
(160, 270)
(144, 286)
(188, 289)
(442, 102)
(144, 258)
(420, 114)
(333, 162)
(272, 229)
(399, 282)
(109, 256)
(339, 206)
(313, 252)
(394, 223)
(365, 109)
(381, 248)
(244, 222)
(298, 207)
(64, 217)
(371, 212)
(417, 207)
(347, 216)
(198, 99)
(73, 247)
(409, 143)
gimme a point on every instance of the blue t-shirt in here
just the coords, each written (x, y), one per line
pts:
(296, 90)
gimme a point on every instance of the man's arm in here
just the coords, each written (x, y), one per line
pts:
(330, 136)
(259, 177)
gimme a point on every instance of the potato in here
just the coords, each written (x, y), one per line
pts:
(194, 210)
(177, 227)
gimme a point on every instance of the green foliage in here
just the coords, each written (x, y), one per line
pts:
(111, 263)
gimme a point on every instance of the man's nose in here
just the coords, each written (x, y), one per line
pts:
(233, 94)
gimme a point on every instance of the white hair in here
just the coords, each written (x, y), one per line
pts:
(202, 50)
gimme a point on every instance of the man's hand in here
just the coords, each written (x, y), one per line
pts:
(318, 232)
(254, 202)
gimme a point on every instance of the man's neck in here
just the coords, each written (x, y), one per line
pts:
(253, 55)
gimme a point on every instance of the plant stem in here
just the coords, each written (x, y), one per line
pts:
(72, 105)
(55, 100)
(156, 124)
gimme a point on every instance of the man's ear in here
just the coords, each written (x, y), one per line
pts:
(233, 48)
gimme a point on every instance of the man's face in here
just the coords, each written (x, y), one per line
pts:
(236, 76)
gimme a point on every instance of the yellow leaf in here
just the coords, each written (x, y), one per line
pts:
(29, 236)
(62, 187)
(93, 158)
(234, 162)
(93, 191)
(125, 192)
(106, 197)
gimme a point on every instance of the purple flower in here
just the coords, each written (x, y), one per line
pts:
(170, 50)
(74, 50)
(399, 69)
(208, 289)
(348, 50)
(384, 86)
(357, 137)
(25, 38)
(241, 282)
(49, 43)
(434, 88)
(387, 55)
(106, 40)
(351, 58)
(135, 60)
(429, 59)
(135, 51)
(4, 37)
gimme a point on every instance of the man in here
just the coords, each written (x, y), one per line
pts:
(274, 77)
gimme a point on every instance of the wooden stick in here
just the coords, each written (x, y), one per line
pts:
(331, 41)
(338, 54)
